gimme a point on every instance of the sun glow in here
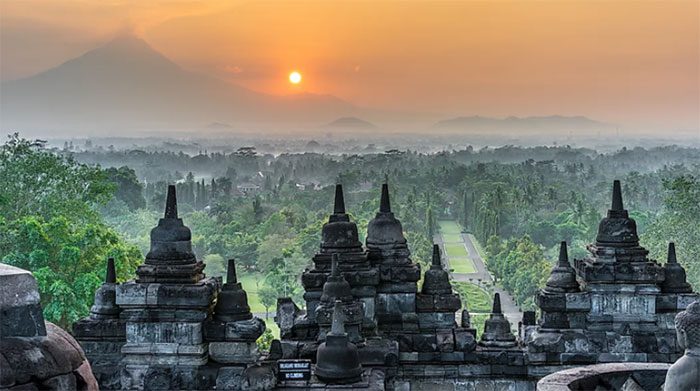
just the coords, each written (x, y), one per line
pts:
(295, 77)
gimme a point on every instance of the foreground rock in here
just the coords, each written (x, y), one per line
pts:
(35, 354)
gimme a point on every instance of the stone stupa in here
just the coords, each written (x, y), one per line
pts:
(337, 359)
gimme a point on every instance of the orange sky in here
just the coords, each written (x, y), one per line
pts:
(630, 62)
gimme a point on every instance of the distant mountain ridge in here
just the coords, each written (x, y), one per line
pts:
(127, 83)
(557, 122)
(351, 122)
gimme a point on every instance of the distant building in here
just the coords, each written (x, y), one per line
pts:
(248, 188)
(308, 186)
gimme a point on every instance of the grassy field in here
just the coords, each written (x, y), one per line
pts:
(462, 265)
(476, 299)
(454, 247)
(449, 227)
(452, 238)
(456, 250)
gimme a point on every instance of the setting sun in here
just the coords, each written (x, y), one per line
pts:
(295, 77)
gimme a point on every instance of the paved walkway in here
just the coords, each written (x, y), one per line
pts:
(508, 306)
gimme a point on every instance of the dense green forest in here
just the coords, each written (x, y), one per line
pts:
(62, 213)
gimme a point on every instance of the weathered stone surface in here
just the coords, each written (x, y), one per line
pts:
(337, 289)
(436, 280)
(234, 352)
(35, 354)
(385, 232)
(230, 378)
(395, 303)
(242, 330)
(164, 332)
(232, 300)
(166, 377)
(20, 308)
(625, 309)
(674, 274)
(562, 279)
(170, 259)
(436, 320)
(199, 295)
(465, 340)
(53, 358)
(337, 359)
(606, 376)
(497, 331)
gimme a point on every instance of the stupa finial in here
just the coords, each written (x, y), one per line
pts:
(231, 272)
(339, 206)
(171, 203)
(436, 256)
(385, 204)
(671, 257)
(563, 255)
(111, 276)
(496, 304)
(617, 196)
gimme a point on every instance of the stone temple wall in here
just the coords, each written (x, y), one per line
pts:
(366, 323)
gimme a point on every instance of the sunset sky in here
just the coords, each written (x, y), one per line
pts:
(630, 62)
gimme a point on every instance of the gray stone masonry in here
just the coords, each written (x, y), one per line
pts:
(619, 309)
(102, 334)
(35, 354)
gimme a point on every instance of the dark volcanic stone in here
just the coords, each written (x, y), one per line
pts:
(20, 308)
(617, 229)
(562, 279)
(385, 230)
(436, 280)
(232, 301)
(339, 233)
(38, 359)
(674, 274)
(171, 259)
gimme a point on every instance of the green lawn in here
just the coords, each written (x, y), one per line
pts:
(452, 238)
(462, 265)
(476, 299)
(449, 227)
(456, 250)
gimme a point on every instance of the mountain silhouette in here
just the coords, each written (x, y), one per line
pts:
(351, 122)
(127, 84)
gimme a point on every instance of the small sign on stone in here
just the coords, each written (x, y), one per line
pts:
(294, 370)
